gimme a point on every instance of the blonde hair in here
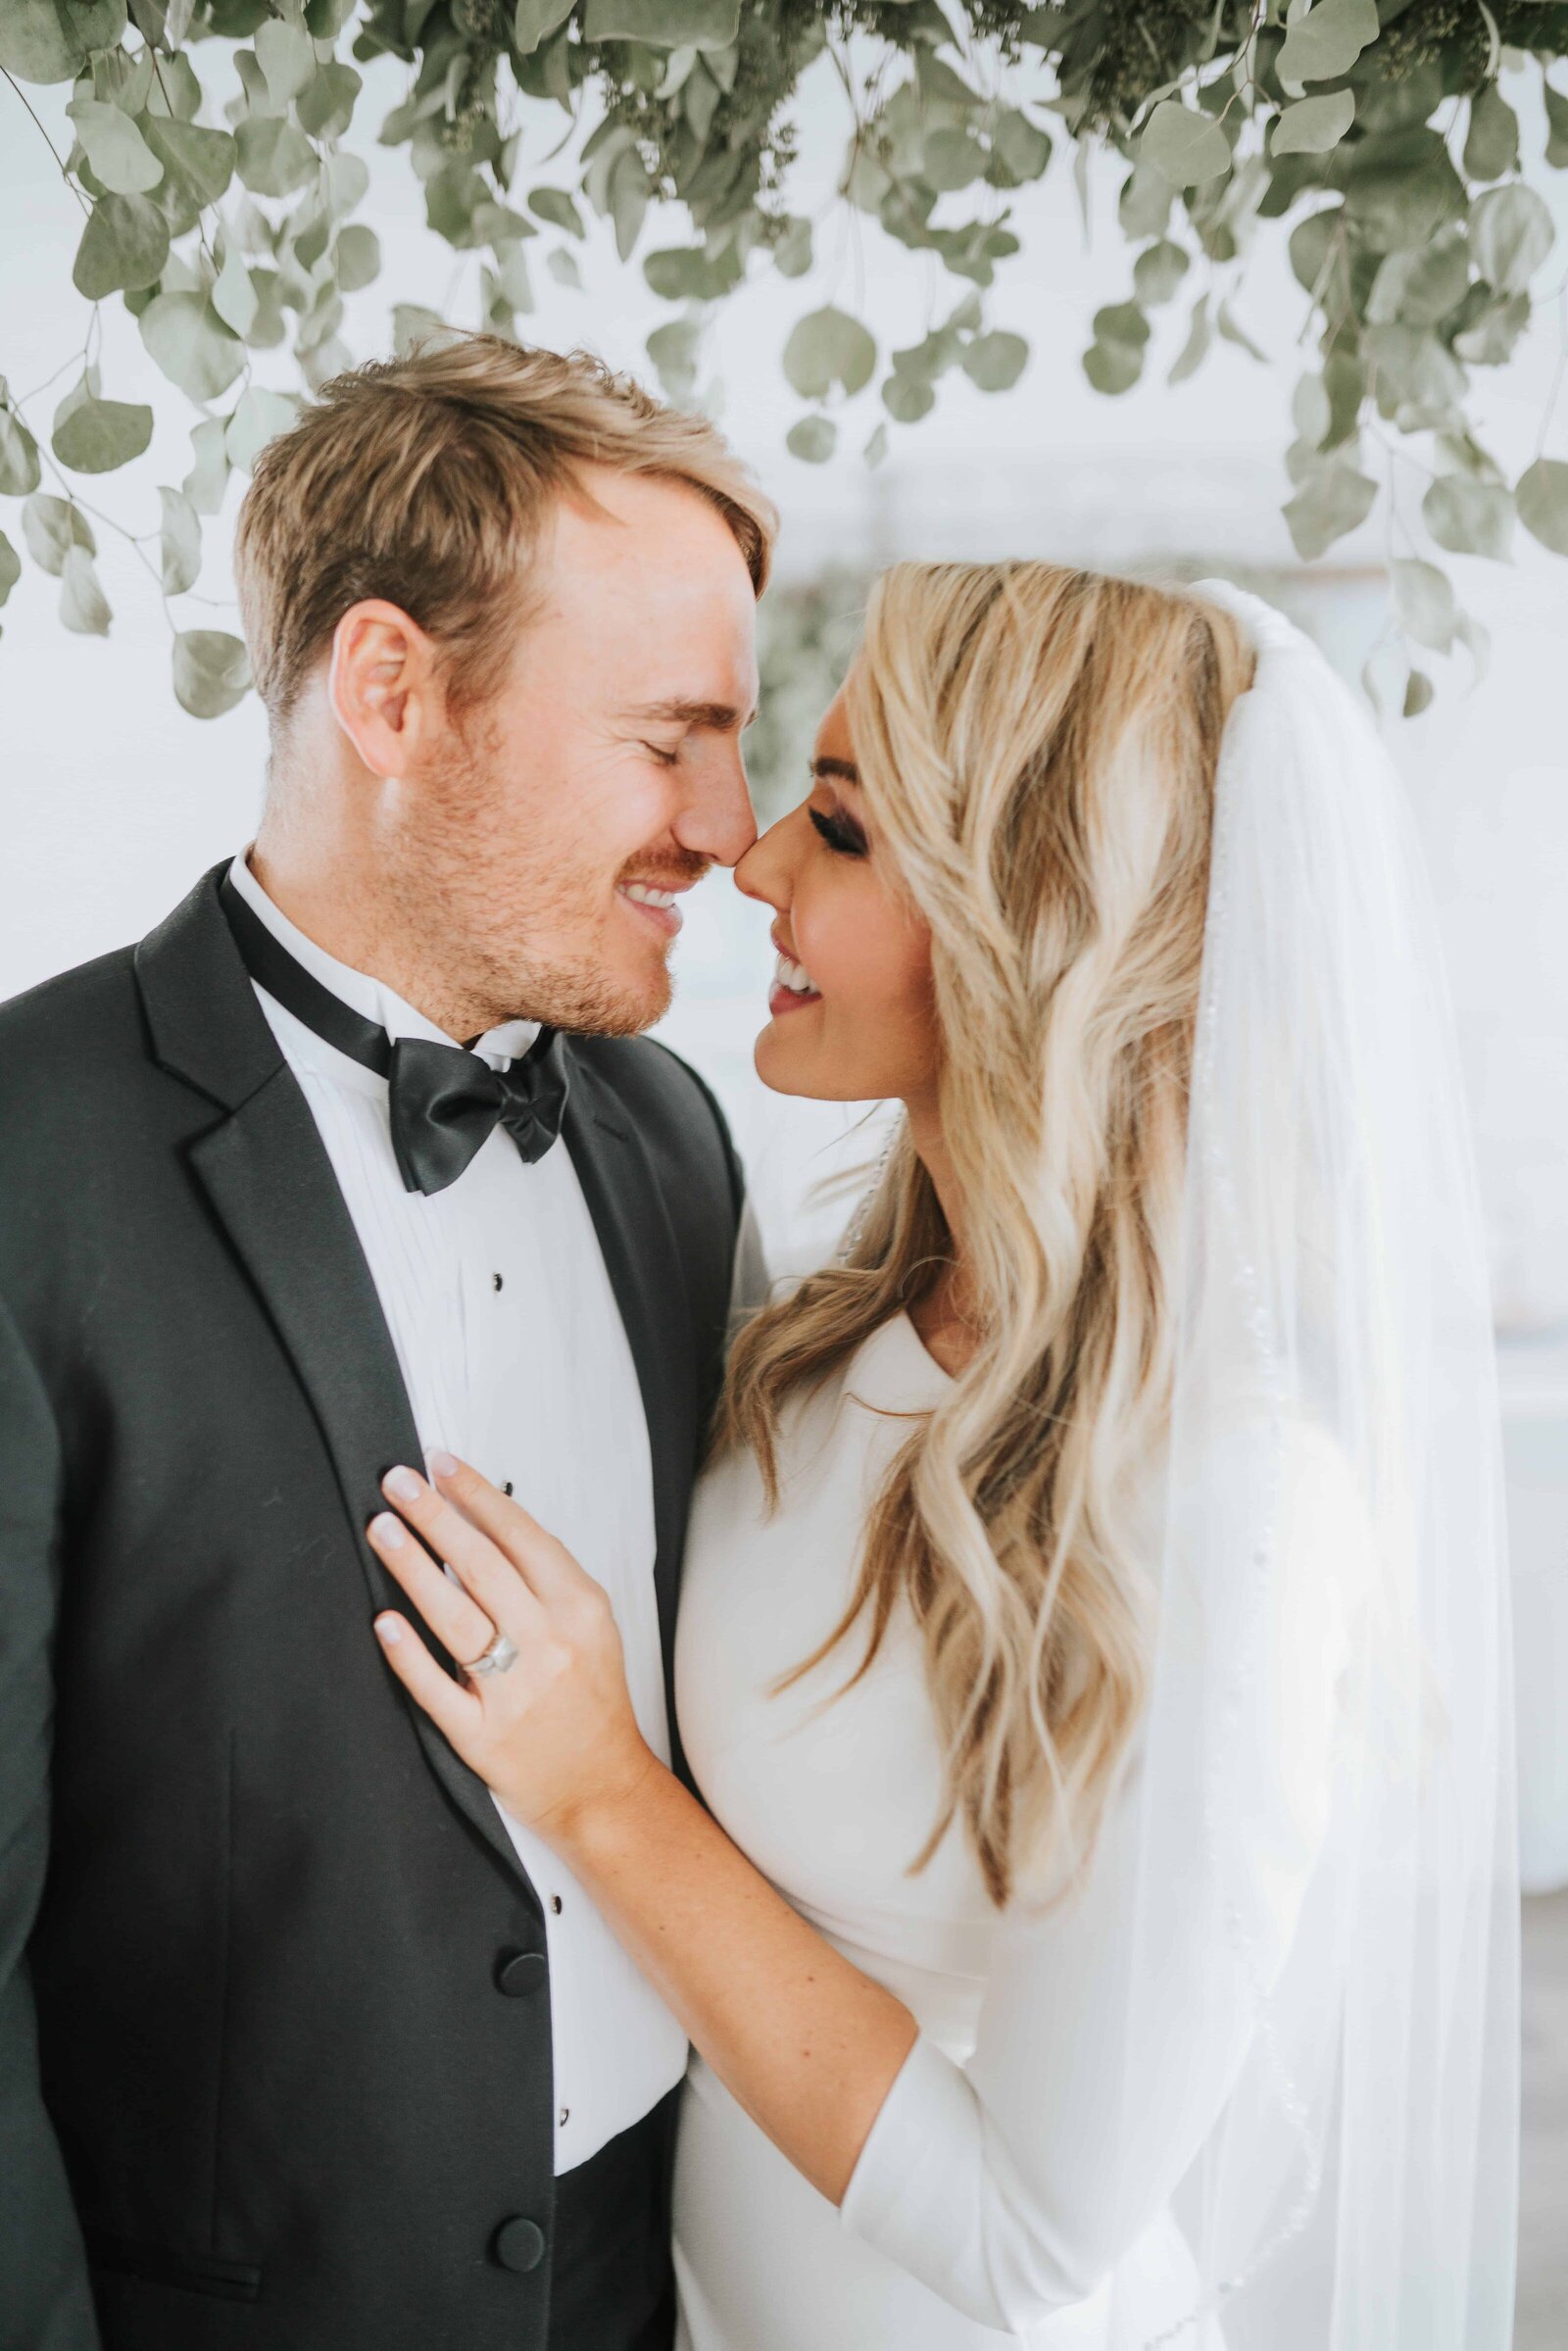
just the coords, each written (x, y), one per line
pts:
(1037, 749)
(425, 480)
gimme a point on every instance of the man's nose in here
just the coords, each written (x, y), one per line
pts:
(718, 820)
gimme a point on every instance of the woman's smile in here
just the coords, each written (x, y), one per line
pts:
(792, 988)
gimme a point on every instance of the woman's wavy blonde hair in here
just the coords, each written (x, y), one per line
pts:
(1037, 748)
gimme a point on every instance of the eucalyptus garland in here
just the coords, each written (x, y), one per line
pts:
(1377, 130)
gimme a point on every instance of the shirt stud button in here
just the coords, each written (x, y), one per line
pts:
(506, 1489)
(494, 1281)
(565, 2117)
(555, 1904)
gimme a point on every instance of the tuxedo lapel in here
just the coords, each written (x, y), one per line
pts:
(641, 1258)
(266, 1172)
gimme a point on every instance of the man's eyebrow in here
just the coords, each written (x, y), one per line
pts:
(842, 770)
(720, 716)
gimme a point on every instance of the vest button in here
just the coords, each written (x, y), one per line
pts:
(519, 2244)
(522, 1971)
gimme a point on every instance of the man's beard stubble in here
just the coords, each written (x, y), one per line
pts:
(479, 907)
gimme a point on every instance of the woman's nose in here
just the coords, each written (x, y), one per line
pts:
(761, 872)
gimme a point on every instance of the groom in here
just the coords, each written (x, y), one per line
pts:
(303, 2045)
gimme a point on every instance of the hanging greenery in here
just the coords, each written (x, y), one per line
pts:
(1377, 129)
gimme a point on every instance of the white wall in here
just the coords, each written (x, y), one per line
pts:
(111, 800)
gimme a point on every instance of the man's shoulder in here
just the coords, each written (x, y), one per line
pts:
(73, 1016)
(664, 1099)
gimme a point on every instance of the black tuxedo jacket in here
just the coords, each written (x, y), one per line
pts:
(268, 2074)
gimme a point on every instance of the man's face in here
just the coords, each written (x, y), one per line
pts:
(608, 766)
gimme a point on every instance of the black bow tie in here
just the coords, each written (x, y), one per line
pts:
(444, 1102)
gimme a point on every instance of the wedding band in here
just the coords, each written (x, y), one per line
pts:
(498, 1658)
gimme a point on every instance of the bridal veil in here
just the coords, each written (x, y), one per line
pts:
(1330, 1734)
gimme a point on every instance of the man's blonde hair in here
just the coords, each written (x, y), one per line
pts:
(427, 482)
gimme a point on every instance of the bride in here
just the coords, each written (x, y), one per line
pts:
(1098, 1926)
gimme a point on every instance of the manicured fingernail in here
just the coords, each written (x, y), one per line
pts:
(403, 1483)
(390, 1631)
(441, 1465)
(387, 1530)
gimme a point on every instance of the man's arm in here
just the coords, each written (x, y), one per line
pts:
(45, 2300)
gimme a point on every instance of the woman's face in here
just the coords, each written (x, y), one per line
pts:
(853, 1013)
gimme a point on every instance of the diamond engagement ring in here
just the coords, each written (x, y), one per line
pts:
(498, 1657)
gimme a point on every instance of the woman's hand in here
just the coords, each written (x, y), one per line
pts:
(554, 1735)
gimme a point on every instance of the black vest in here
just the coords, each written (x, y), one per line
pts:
(275, 2023)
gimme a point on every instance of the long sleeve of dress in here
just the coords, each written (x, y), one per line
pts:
(1012, 2184)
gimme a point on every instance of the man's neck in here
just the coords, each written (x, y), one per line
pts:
(328, 899)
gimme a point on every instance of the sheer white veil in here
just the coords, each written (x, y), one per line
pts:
(1329, 1742)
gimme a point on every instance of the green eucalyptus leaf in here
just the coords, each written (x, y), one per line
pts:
(1495, 327)
(287, 57)
(907, 398)
(116, 149)
(83, 606)
(1326, 43)
(234, 298)
(792, 255)
(812, 438)
(828, 348)
(1194, 349)
(1556, 126)
(562, 263)
(1491, 144)
(1469, 517)
(52, 527)
(630, 192)
(413, 325)
(534, 21)
(1312, 126)
(1021, 147)
(1187, 147)
(1417, 693)
(51, 40)
(995, 362)
(259, 416)
(1424, 602)
(346, 181)
(20, 469)
(674, 349)
(1511, 235)
(876, 447)
(1331, 504)
(1542, 496)
(1114, 359)
(1421, 287)
(208, 478)
(557, 207)
(663, 24)
(95, 436)
(190, 343)
(951, 160)
(123, 246)
(1143, 207)
(179, 543)
(10, 566)
(513, 286)
(212, 671)
(1399, 188)
(199, 160)
(326, 106)
(359, 257)
(273, 155)
(1158, 273)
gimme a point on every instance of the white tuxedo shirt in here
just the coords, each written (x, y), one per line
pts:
(514, 1355)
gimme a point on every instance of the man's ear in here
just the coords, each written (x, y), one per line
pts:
(383, 686)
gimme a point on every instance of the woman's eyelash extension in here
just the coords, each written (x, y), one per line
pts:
(848, 840)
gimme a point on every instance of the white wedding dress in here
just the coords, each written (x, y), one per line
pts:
(981, 2209)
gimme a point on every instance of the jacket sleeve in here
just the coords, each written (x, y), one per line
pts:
(45, 2300)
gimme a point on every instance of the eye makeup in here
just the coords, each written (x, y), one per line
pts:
(840, 831)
